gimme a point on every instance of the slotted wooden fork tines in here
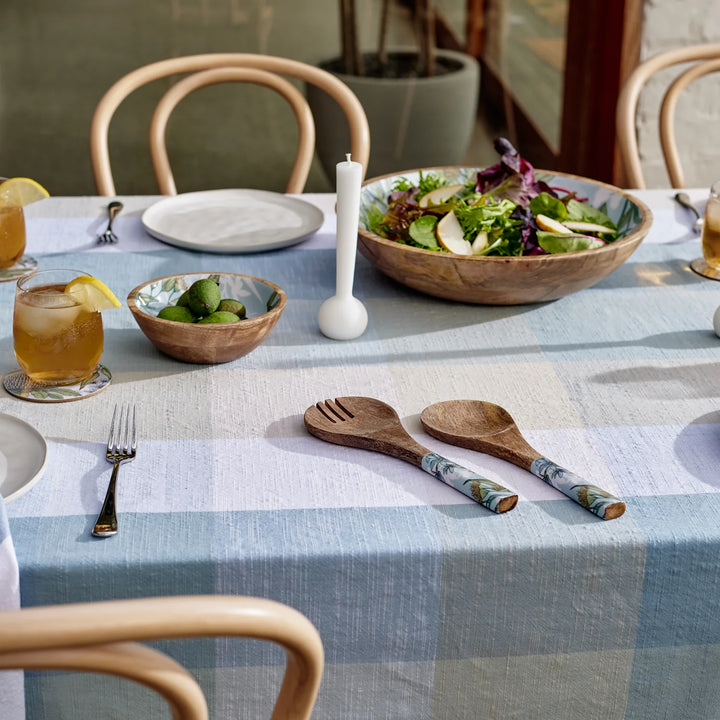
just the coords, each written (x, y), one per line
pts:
(370, 424)
(121, 448)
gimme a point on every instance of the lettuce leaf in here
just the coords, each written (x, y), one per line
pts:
(561, 243)
(546, 204)
(582, 212)
(422, 231)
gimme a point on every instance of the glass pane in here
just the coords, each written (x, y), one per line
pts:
(525, 42)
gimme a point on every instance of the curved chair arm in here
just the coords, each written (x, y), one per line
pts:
(168, 102)
(667, 117)
(131, 661)
(628, 101)
(348, 101)
(77, 627)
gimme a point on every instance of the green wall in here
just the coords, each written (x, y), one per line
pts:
(58, 58)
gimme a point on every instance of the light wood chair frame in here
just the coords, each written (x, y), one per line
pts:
(113, 97)
(104, 637)
(214, 76)
(706, 56)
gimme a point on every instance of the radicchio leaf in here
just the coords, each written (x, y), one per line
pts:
(512, 177)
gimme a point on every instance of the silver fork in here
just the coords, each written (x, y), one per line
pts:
(109, 236)
(120, 448)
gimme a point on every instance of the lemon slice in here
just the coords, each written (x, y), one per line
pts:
(21, 191)
(93, 291)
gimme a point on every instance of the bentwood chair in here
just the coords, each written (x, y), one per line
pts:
(190, 83)
(105, 637)
(257, 69)
(706, 59)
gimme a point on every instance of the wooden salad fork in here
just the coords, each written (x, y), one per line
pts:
(121, 447)
(489, 428)
(370, 424)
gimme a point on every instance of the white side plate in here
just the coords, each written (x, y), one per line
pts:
(23, 454)
(232, 221)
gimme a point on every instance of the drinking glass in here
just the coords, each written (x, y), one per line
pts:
(709, 264)
(12, 234)
(58, 336)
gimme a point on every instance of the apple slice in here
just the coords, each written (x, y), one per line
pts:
(450, 235)
(550, 225)
(586, 227)
(439, 195)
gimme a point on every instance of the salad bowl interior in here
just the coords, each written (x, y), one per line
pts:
(502, 280)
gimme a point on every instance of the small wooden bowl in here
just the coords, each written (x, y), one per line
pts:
(504, 280)
(207, 343)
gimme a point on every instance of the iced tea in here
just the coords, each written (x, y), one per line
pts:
(12, 235)
(711, 228)
(58, 337)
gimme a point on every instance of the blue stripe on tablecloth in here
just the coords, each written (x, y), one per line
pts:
(681, 591)
(570, 326)
(358, 605)
(652, 265)
(682, 570)
(282, 555)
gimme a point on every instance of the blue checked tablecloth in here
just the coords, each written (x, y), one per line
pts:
(429, 605)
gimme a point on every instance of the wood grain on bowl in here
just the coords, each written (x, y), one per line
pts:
(503, 280)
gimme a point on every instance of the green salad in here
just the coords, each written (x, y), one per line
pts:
(503, 211)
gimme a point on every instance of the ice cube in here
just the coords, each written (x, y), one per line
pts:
(53, 318)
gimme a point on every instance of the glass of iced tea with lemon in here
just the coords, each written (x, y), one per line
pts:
(57, 325)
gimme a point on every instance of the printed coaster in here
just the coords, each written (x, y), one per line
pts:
(17, 383)
(24, 266)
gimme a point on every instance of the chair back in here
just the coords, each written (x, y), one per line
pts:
(707, 59)
(190, 83)
(104, 637)
(261, 66)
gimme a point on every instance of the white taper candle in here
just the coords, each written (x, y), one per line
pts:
(348, 181)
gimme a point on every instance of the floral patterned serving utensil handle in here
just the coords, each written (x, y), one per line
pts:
(591, 497)
(488, 493)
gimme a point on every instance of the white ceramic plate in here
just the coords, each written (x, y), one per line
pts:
(232, 221)
(23, 454)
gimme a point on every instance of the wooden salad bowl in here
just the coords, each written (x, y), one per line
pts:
(504, 280)
(207, 344)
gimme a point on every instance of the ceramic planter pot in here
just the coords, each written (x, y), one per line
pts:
(414, 121)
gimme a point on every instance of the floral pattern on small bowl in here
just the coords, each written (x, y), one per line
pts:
(257, 296)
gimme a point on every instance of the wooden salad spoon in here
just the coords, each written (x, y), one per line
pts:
(370, 424)
(489, 428)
